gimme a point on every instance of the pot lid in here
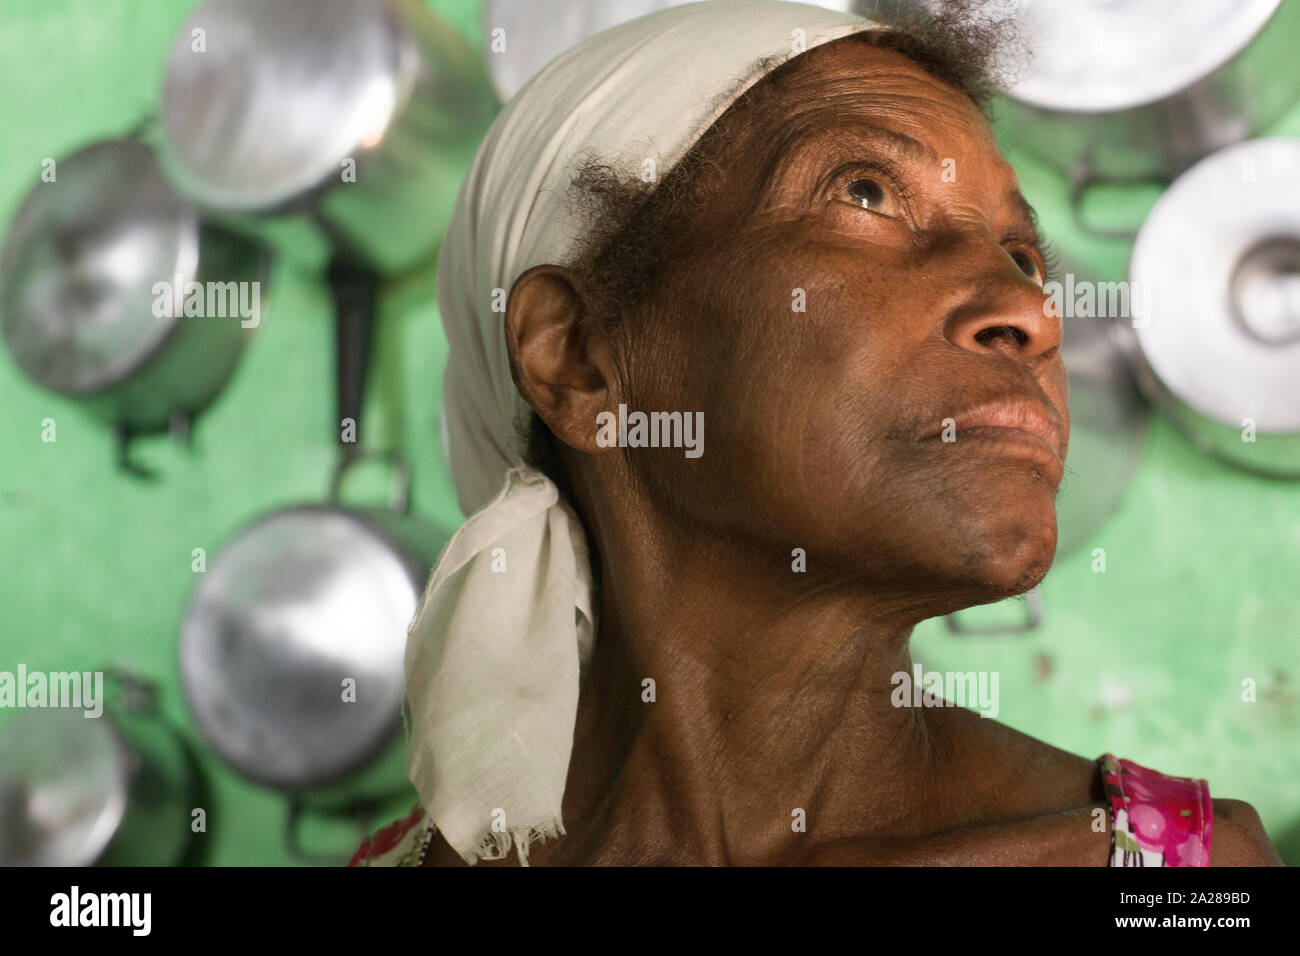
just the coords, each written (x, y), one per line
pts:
(264, 99)
(1220, 255)
(81, 262)
(296, 605)
(63, 784)
(1098, 56)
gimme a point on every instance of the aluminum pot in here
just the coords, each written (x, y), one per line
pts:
(1142, 89)
(116, 790)
(364, 113)
(1220, 352)
(99, 270)
(291, 649)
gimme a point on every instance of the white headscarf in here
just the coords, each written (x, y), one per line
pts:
(495, 655)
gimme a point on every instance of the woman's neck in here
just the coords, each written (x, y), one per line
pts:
(739, 713)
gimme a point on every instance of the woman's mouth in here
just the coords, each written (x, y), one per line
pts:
(1011, 428)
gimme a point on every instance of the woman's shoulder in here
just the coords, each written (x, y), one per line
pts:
(1043, 792)
(1239, 836)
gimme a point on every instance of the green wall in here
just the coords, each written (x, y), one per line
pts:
(1200, 590)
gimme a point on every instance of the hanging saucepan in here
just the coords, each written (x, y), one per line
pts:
(119, 789)
(363, 114)
(1220, 352)
(292, 644)
(1139, 90)
(113, 292)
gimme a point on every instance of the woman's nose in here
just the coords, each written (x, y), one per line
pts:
(1000, 309)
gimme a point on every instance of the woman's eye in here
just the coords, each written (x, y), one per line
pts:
(1027, 265)
(874, 195)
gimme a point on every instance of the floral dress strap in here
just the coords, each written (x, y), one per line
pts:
(1156, 820)
(404, 843)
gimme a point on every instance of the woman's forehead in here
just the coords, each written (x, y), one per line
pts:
(849, 79)
(850, 95)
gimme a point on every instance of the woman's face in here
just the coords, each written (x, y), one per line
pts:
(865, 274)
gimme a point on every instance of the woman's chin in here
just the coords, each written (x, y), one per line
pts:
(1013, 562)
(984, 556)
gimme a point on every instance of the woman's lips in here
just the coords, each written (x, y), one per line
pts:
(1012, 428)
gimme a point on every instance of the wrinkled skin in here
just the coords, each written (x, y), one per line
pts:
(772, 687)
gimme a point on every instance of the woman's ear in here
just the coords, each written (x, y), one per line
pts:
(560, 362)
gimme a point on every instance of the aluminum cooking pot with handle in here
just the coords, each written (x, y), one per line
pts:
(1145, 87)
(119, 789)
(114, 293)
(291, 648)
(1220, 351)
(362, 114)
(1140, 90)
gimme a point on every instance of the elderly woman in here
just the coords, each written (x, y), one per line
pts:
(789, 229)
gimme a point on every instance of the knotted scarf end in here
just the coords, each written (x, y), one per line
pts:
(495, 845)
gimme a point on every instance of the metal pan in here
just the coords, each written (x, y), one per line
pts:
(1220, 353)
(291, 648)
(1141, 90)
(113, 790)
(98, 286)
(363, 113)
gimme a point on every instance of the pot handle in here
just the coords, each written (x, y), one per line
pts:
(124, 435)
(145, 129)
(138, 695)
(1033, 620)
(354, 288)
(293, 843)
(399, 499)
(1081, 180)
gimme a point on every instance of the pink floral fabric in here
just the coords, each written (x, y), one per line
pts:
(404, 843)
(1156, 820)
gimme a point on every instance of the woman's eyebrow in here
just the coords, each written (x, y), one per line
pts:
(845, 136)
(1028, 216)
(851, 133)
